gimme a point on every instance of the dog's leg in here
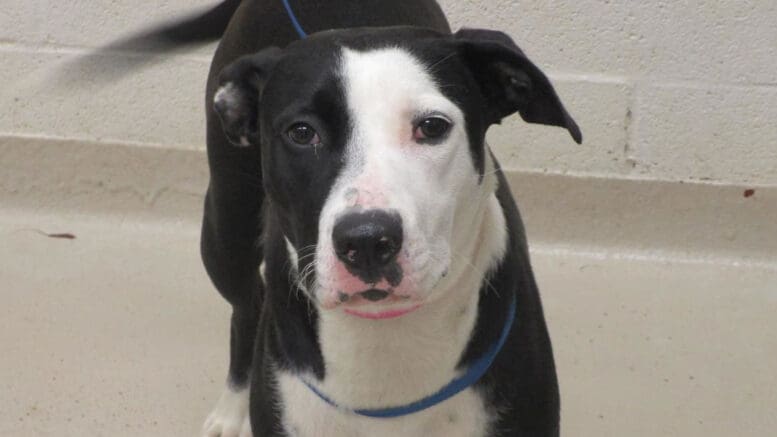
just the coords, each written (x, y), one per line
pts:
(231, 258)
(233, 266)
(232, 253)
(230, 418)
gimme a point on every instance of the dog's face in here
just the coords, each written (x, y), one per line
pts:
(373, 153)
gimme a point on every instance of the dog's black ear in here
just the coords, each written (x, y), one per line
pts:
(240, 89)
(510, 82)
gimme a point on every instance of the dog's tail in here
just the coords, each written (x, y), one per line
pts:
(147, 46)
(193, 30)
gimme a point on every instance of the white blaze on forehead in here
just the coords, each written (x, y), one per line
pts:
(386, 90)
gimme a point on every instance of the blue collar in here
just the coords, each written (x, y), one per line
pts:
(473, 375)
(294, 21)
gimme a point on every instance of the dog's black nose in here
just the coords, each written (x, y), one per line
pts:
(366, 241)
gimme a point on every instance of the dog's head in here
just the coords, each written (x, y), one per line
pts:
(373, 153)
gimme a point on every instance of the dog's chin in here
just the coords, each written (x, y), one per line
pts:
(381, 312)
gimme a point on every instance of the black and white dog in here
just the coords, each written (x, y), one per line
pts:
(362, 230)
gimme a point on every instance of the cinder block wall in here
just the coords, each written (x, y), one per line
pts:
(680, 90)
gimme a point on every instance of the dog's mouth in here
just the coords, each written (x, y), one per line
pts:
(377, 304)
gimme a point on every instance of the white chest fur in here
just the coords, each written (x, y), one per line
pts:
(306, 415)
(379, 364)
(390, 363)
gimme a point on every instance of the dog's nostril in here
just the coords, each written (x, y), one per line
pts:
(374, 295)
(384, 249)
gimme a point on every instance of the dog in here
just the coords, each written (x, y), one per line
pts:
(360, 227)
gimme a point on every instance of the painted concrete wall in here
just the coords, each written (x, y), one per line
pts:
(670, 90)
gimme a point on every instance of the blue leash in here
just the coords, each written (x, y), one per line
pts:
(294, 21)
(473, 375)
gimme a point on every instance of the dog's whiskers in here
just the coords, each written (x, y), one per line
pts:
(301, 287)
(294, 269)
(443, 59)
(298, 284)
(479, 271)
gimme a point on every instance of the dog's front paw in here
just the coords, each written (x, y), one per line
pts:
(230, 417)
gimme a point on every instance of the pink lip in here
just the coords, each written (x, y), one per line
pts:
(393, 314)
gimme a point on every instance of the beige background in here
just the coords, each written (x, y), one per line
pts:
(680, 90)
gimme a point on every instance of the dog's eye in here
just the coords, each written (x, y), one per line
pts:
(304, 134)
(432, 128)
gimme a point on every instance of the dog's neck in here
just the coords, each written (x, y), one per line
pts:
(374, 364)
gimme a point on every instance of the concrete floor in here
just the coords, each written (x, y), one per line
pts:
(119, 333)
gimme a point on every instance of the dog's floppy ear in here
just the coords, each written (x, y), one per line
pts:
(240, 88)
(510, 82)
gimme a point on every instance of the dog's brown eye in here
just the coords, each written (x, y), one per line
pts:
(432, 128)
(304, 134)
